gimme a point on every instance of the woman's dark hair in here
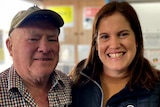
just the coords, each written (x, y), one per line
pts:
(140, 71)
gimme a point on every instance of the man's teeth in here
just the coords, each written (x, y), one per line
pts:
(116, 55)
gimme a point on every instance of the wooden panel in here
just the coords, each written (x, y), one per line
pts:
(77, 34)
(85, 35)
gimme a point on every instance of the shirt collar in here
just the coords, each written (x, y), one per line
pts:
(15, 81)
(57, 80)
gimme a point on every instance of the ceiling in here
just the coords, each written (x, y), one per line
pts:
(130, 1)
(141, 1)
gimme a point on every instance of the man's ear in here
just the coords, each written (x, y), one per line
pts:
(9, 45)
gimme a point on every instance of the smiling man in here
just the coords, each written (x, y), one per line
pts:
(34, 47)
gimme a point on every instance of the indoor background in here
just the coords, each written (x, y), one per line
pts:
(75, 36)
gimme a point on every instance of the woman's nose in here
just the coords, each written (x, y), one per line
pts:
(114, 42)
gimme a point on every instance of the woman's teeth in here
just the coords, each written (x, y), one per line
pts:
(115, 55)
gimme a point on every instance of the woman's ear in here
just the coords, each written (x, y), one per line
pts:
(9, 45)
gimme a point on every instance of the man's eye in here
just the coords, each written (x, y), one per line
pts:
(53, 40)
(33, 39)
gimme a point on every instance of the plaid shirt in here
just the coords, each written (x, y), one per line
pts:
(13, 93)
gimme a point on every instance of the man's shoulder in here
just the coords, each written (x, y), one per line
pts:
(4, 80)
(4, 73)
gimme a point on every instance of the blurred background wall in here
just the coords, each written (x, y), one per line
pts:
(75, 36)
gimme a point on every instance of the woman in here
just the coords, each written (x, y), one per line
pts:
(116, 74)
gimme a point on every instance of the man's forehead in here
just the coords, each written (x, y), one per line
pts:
(37, 31)
(31, 30)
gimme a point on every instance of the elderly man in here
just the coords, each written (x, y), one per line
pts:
(33, 44)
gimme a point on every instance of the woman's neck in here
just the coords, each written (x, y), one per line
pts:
(112, 85)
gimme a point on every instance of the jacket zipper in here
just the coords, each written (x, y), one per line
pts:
(97, 85)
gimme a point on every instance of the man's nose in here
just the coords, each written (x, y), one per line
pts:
(44, 46)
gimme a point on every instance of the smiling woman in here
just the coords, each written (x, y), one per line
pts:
(116, 44)
(116, 73)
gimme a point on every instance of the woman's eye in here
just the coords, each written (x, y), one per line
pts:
(122, 35)
(104, 36)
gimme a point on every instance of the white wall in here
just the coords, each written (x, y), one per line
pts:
(149, 14)
(8, 8)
